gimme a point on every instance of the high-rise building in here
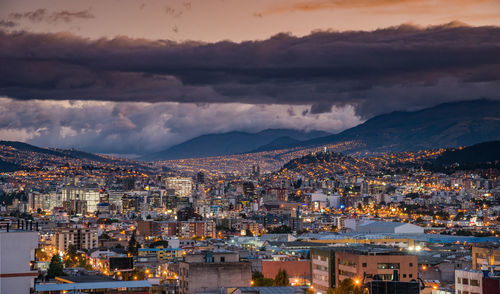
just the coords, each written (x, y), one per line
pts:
(90, 195)
(75, 207)
(183, 186)
(82, 238)
(191, 229)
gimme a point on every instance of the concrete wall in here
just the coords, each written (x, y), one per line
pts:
(202, 277)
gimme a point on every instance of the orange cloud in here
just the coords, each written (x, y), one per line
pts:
(315, 5)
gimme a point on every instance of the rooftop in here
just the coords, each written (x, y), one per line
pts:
(92, 285)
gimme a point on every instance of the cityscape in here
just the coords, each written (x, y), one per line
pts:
(260, 147)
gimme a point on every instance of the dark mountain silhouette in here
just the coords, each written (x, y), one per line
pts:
(232, 143)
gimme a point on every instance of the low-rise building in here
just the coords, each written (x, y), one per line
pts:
(210, 271)
(468, 282)
(331, 265)
(81, 238)
(170, 254)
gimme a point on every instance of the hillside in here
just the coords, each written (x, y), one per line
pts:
(478, 156)
(16, 156)
(9, 167)
(231, 143)
(445, 125)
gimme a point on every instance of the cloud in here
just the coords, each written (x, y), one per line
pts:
(134, 128)
(395, 6)
(397, 68)
(43, 15)
(7, 24)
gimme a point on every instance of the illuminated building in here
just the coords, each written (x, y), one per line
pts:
(82, 238)
(183, 185)
(330, 266)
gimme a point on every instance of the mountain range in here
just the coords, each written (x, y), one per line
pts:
(16, 156)
(443, 126)
(446, 125)
(479, 156)
(233, 143)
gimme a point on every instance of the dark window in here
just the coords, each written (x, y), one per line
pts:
(364, 264)
(410, 275)
(411, 264)
(404, 275)
(222, 259)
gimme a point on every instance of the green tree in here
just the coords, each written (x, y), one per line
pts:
(82, 262)
(284, 229)
(281, 278)
(249, 233)
(133, 245)
(263, 282)
(71, 259)
(259, 280)
(55, 267)
(257, 275)
(348, 286)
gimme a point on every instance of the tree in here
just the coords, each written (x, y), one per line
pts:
(281, 278)
(71, 260)
(459, 216)
(159, 243)
(55, 267)
(348, 286)
(263, 282)
(284, 229)
(41, 254)
(257, 275)
(136, 274)
(259, 280)
(133, 245)
(249, 233)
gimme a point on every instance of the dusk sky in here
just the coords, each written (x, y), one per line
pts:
(131, 76)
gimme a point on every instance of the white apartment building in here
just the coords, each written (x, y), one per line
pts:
(17, 250)
(183, 186)
(468, 282)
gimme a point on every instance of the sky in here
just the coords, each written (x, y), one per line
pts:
(132, 76)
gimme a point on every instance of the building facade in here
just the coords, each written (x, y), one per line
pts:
(468, 282)
(82, 238)
(330, 266)
(17, 251)
(210, 271)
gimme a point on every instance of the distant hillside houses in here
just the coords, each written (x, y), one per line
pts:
(371, 226)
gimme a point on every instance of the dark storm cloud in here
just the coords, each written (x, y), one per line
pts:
(43, 14)
(404, 67)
